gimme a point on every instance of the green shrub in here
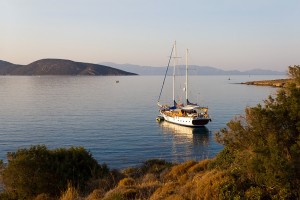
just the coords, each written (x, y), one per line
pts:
(264, 146)
(255, 193)
(223, 160)
(38, 170)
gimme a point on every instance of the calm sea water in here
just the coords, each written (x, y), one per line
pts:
(116, 121)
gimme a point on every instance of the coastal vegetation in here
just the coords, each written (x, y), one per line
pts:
(38, 170)
(293, 72)
(260, 160)
(272, 83)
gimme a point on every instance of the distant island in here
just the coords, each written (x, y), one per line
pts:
(194, 70)
(60, 67)
(69, 67)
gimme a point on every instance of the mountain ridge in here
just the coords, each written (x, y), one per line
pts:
(193, 70)
(52, 66)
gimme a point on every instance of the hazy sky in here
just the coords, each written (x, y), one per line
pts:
(228, 34)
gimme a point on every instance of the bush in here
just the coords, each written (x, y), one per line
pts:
(264, 146)
(38, 170)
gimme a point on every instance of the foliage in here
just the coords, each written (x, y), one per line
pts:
(179, 171)
(223, 160)
(264, 147)
(38, 170)
(294, 72)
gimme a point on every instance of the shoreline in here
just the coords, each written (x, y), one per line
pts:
(273, 83)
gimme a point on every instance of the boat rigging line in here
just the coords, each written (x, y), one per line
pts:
(165, 74)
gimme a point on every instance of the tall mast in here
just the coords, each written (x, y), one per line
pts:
(174, 71)
(186, 76)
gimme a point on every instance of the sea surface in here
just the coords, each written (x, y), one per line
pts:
(114, 116)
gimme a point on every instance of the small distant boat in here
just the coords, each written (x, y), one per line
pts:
(117, 81)
(229, 78)
(190, 114)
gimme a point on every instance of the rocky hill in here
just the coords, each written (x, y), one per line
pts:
(59, 67)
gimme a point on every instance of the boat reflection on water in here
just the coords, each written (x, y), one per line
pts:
(188, 143)
(198, 134)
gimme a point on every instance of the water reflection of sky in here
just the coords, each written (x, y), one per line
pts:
(116, 122)
(187, 142)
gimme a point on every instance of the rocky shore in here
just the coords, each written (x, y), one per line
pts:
(273, 83)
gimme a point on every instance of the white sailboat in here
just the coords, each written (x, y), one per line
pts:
(190, 114)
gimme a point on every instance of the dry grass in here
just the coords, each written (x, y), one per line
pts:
(43, 196)
(97, 194)
(129, 188)
(126, 182)
(113, 195)
(178, 182)
(121, 192)
(189, 180)
(165, 191)
(174, 197)
(70, 194)
(201, 166)
(129, 171)
(179, 170)
(149, 178)
(192, 180)
(145, 190)
(210, 184)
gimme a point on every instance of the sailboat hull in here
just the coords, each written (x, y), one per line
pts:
(186, 121)
(200, 122)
